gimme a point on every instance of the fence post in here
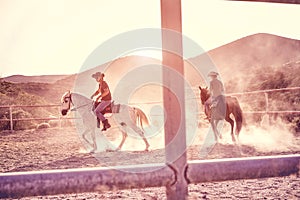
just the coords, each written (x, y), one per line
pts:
(173, 96)
(267, 102)
(11, 119)
(59, 117)
(267, 107)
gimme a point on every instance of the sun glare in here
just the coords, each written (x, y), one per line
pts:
(151, 53)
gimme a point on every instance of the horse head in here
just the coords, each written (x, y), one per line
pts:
(204, 94)
(65, 103)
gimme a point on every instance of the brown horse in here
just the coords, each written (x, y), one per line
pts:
(232, 107)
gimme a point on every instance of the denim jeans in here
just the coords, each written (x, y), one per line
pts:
(102, 105)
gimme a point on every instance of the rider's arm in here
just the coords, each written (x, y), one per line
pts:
(106, 92)
(96, 93)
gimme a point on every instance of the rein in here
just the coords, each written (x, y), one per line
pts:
(75, 108)
(71, 102)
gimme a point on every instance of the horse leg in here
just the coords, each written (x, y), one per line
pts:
(85, 139)
(124, 136)
(215, 130)
(141, 133)
(218, 132)
(94, 141)
(228, 119)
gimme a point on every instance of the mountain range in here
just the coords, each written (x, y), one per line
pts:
(234, 61)
(34, 79)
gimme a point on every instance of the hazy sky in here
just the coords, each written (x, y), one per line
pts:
(40, 37)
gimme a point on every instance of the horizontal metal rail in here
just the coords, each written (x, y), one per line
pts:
(273, 1)
(24, 184)
(242, 168)
(38, 119)
(267, 111)
(29, 106)
(266, 91)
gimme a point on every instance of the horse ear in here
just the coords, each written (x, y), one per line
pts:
(200, 88)
(206, 88)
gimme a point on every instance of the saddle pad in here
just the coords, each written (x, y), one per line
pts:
(116, 108)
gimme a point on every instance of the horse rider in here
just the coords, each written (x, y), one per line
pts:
(216, 90)
(103, 100)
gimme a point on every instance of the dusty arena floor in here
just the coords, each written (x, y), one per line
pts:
(56, 148)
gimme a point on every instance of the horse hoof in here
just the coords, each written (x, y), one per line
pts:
(93, 151)
(118, 149)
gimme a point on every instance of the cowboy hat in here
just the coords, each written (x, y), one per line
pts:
(212, 73)
(97, 75)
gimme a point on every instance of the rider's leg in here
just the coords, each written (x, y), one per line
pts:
(207, 108)
(98, 113)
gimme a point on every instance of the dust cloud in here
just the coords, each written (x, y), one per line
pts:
(270, 135)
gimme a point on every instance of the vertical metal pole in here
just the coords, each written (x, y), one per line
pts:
(267, 107)
(173, 95)
(267, 102)
(11, 119)
(59, 117)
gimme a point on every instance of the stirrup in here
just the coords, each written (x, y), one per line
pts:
(106, 125)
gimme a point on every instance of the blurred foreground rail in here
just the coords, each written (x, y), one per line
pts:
(53, 182)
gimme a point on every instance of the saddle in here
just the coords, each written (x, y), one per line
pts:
(218, 108)
(111, 108)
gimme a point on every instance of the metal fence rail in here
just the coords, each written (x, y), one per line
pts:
(243, 168)
(11, 119)
(265, 92)
(52, 182)
(25, 184)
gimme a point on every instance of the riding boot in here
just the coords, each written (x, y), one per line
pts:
(98, 122)
(106, 125)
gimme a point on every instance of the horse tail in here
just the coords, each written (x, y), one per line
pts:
(238, 115)
(141, 118)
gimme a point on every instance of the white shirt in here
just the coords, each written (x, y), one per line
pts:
(216, 88)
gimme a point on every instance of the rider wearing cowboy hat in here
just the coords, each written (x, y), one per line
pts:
(216, 89)
(104, 99)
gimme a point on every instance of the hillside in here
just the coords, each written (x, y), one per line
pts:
(34, 79)
(237, 59)
(256, 62)
(31, 93)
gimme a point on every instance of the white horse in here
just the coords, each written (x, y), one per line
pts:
(125, 117)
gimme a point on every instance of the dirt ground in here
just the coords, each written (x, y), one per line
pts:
(57, 148)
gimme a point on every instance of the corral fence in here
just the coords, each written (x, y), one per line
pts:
(174, 174)
(53, 182)
(11, 119)
(59, 118)
(157, 175)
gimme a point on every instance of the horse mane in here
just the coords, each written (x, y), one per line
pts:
(207, 93)
(64, 95)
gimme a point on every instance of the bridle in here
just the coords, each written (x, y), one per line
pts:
(202, 97)
(65, 100)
